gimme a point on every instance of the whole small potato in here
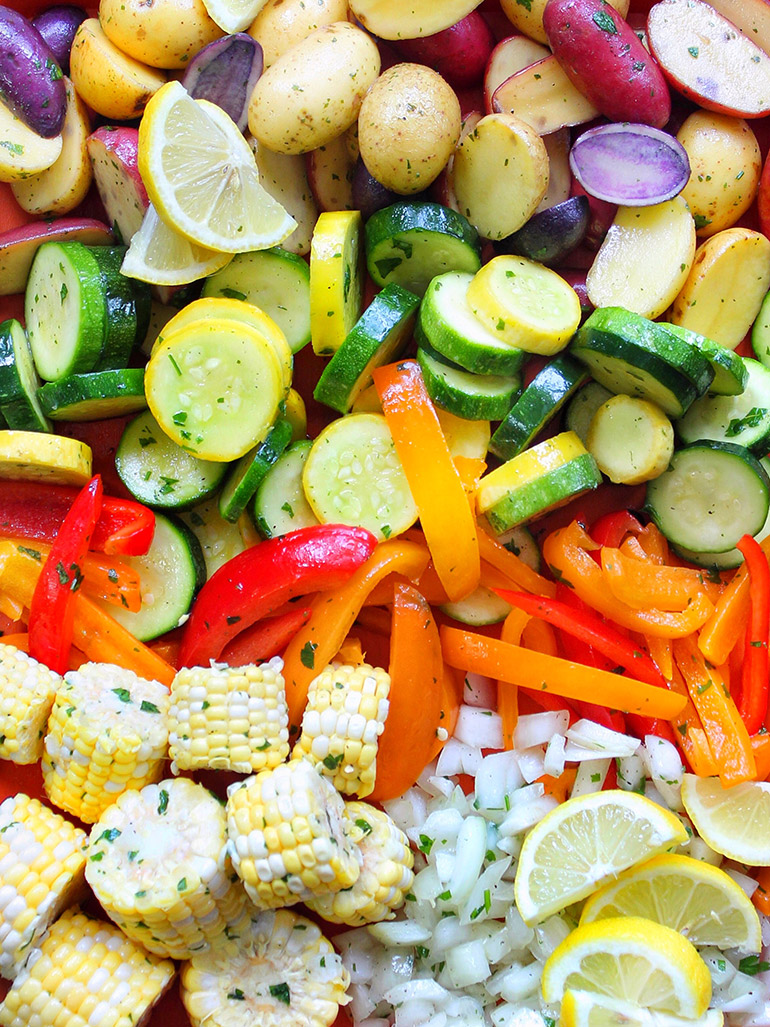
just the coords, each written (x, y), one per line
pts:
(313, 93)
(725, 165)
(161, 33)
(281, 24)
(408, 127)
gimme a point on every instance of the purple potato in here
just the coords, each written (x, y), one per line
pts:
(628, 164)
(30, 79)
(369, 195)
(225, 72)
(550, 234)
(58, 26)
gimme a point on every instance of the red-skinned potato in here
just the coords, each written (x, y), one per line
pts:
(19, 246)
(509, 56)
(604, 58)
(763, 198)
(30, 79)
(459, 54)
(113, 153)
(58, 26)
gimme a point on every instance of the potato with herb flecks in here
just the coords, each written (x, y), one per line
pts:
(281, 24)
(161, 33)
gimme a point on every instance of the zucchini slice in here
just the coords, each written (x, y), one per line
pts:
(280, 505)
(730, 374)
(476, 397)
(246, 476)
(91, 397)
(36, 456)
(583, 406)
(743, 419)
(128, 308)
(336, 278)
(19, 381)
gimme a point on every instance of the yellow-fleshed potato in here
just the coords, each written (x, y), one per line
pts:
(500, 174)
(396, 19)
(60, 188)
(725, 165)
(543, 96)
(22, 151)
(313, 93)
(109, 81)
(726, 285)
(161, 33)
(408, 127)
(281, 24)
(630, 439)
(284, 176)
(528, 17)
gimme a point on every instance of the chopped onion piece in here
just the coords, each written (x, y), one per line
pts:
(426, 885)
(464, 1011)
(664, 765)
(409, 810)
(399, 933)
(554, 760)
(498, 776)
(590, 777)
(531, 763)
(467, 964)
(748, 884)
(516, 982)
(480, 728)
(458, 758)
(471, 848)
(480, 900)
(591, 735)
(630, 773)
(539, 728)
(448, 934)
(525, 816)
(509, 1015)
(424, 988)
(521, 934)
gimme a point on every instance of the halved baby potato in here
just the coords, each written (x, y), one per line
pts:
(544, 97)
(22, 151)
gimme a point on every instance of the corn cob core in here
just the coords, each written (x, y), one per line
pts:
(229, 718)
(280, 972)
(27, 690)
(157, 864)
(86, 974)
(386, 872)
(107, 733)
(344, 717)
(42, 858)
(286, 836)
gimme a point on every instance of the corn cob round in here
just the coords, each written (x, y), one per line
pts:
(107, 733)
(157, 864)
(386, 872)
(228, 718)
(86, 974)
(279, 972)
(42, 859)
(343, 720)
(286, 836)
(27, 690)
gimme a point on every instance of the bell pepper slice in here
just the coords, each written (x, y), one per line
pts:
(753, 701)
(266, 638)
(256, 582)
(541, 672)
(513, 567)
(445, 513)
(688, 731)
(612, 528)
(334, 613)
(643, 584)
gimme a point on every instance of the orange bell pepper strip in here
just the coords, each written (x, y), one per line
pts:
(654, 543)
(761, 896)
(726, 733)
(643, 584)
(760, 745)
(507, 694)
(10, 608)
(334, 613)
(468, 650)
(731, 614)
(445, 513)
(513, 567)
(414, 717)
(688, 731)
(567, 552)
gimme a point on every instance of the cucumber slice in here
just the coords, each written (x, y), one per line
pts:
(160, 473)
(91, 397)
(376, 338)
(582, 408)
(280, 504)
(477, 397)
(220, 540)
(742, 419)
(19, 381)
(542, 399)
(336, 278)
(454, 331)
(482, 606)
(274, 280)
(712, 494)
(245, 478)
(411, 242)
(65, 309)
(171, 573)
(629, 354)
(353, 476)
(730, 373)
(128, 307)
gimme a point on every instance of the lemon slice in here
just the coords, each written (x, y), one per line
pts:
(159, 255)
(201, 175)
(632, 959)
(233, 15)
(583, 1009)
(700, 901)
(336, 278)
(731, 820)
(584, 843)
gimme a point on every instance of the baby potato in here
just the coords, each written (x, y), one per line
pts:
(408, 127)
(163, 33)
(281, 24)
(725, 165)
(313, 93)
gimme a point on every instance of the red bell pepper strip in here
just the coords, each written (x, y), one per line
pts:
(34, 510)
(266, 638)
(588, 628)
(256, 582)
(52, 612)
(612, 528)
(753, 701)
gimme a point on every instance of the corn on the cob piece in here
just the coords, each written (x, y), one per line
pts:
(86, 974)
(386, 872)
(157, 864)
(228, 718)
(279, 972)
(107, 733)
(343, 720)
(27, 690)
(42, 859)
(286, 836)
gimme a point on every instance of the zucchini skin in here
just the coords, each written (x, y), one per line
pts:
(31, 82)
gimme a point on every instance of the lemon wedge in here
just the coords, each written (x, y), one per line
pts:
(233, 15)
(159, 255)
(583, 1009)
(700, 901)
(731, 820)
(201, 176)
(632, 959)
(585, 842)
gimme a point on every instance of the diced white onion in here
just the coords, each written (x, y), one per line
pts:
(539, 728)
(480, 728)
(516, 982)
(748, 884)
(525, 816)
(467, 964)
(554, 760)
(664, 765)
(471, 847)
(483, 892)
(399, 933)
(590, 777)
(630, 772)
(498, 776)
(423, 988)
(531, 763)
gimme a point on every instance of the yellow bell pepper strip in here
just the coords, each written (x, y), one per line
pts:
(334, 613)
(445, 513)
(726, 733)
(10, 608)
(542, 672)
(643, 584)
(513, 567)
(507, 694)
(567, 552)
(752, 704)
